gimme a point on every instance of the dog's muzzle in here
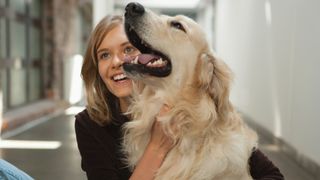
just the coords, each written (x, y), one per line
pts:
(150, 61)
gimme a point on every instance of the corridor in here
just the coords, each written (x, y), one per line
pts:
(271, 48)
(58, 157)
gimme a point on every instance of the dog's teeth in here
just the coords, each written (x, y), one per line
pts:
(135, 61)
(160, 61)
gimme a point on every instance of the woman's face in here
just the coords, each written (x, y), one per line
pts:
(114, 47)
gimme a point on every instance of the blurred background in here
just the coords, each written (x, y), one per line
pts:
(272, 47)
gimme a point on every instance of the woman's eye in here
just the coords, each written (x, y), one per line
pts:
(104, 55)
(129, 50)
(177, 25)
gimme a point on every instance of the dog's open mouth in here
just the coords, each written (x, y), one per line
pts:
(151, 61)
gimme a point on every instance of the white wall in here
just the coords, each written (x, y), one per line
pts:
(205, 18)
(101, 9)
(273, 47)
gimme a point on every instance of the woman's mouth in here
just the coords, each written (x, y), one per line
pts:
(119, 77)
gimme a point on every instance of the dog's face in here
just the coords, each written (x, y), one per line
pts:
(175, 55)
(170, 46)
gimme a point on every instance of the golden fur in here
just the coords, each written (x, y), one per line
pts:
(211, 140)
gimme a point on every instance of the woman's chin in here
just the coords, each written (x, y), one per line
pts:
(122, 89)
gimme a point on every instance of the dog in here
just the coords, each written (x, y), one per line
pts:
(177, 68)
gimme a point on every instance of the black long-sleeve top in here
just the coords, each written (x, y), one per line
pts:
(101, 159)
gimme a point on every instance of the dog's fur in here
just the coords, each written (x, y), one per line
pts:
(211, 140)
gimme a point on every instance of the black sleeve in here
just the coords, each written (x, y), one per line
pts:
(96, 159)
(261, 168)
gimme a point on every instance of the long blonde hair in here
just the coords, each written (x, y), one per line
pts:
(101, 102)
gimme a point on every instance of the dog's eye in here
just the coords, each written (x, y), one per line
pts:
(177, 25)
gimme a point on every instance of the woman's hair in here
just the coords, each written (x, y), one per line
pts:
(101, 101)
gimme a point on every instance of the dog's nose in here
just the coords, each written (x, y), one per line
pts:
(134, 9)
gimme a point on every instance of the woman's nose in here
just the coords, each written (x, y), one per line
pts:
(117, 61)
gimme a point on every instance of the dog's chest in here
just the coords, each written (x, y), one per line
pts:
(209, 161)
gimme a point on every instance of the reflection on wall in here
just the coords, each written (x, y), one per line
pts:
(273, 49)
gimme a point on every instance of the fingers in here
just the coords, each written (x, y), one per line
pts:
(164, 109)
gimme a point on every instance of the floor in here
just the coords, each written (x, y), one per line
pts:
(58, 156)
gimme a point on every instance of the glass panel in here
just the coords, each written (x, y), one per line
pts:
(18, 87)
(34, 86)
(2, 39)
(34, 43)
(2, 3)
(17, 40)
(18, 6)
(3, 89)
(35, 8)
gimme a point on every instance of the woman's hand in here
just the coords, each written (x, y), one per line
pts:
(160, 141)
(156, 151)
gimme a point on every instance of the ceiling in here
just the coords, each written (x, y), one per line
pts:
(176, 5)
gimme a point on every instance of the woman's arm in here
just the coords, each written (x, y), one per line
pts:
(156, 151)
(96, 160)
(261, 168)
(98, 156)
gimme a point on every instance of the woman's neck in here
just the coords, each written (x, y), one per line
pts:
(124, 103)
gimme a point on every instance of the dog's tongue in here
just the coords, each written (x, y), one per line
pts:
(142, 58)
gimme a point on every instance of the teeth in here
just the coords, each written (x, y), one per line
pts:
(119, 77)
(136, 60)
(157, 63)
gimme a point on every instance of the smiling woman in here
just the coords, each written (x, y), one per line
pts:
(102, 69)
(111, 52)
(108, 90)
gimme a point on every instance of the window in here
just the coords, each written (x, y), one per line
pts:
(20, 52)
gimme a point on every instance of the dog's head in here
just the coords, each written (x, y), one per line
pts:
(174, 51)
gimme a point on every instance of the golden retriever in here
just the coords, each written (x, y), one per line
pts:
(177, 68)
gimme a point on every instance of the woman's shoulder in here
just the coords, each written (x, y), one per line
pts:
(84, 121)
(83, 116)
(84, 124)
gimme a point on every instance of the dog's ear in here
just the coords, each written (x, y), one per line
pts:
(215, 77)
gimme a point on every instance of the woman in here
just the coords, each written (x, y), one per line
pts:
(98, 128)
